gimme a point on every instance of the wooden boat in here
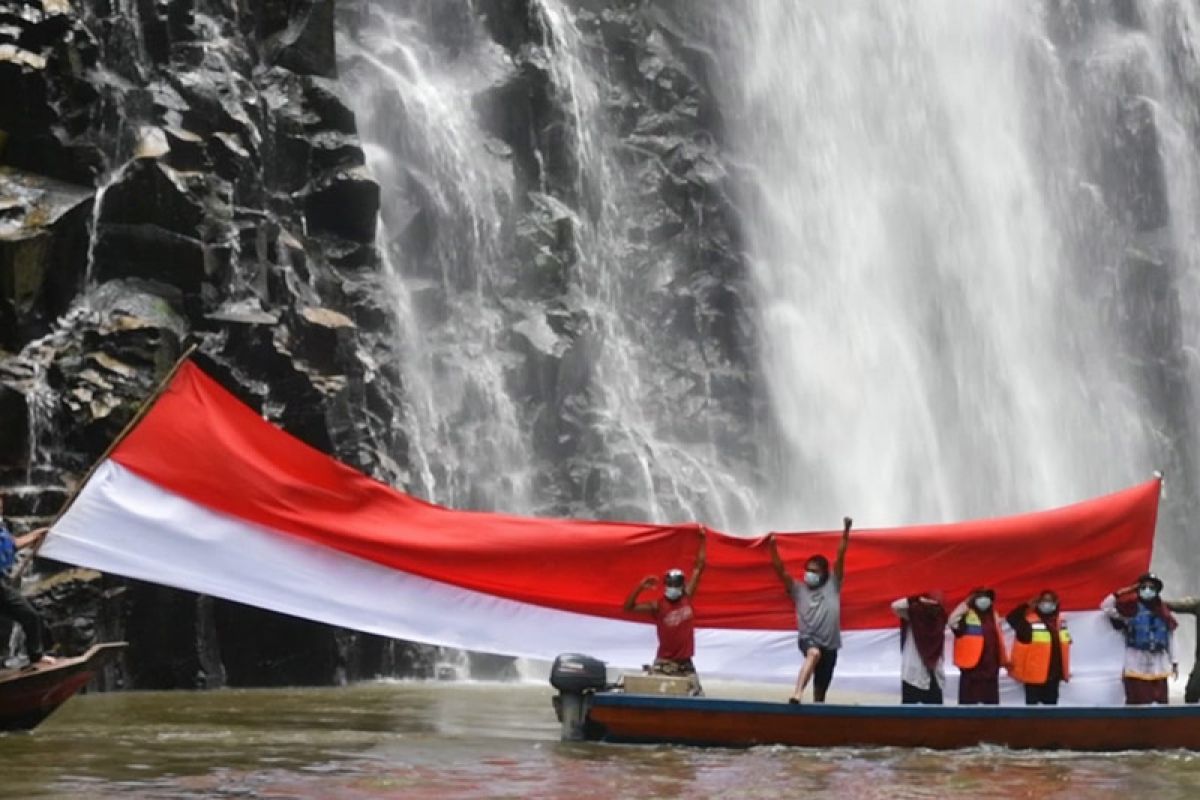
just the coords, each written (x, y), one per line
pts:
(659, 710)
(620, 717)
(28, 696)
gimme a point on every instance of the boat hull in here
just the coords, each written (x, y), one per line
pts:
(617, 717)
(28, 696)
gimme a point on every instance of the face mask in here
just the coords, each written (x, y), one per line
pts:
(1047, 607)
(812, 579)
(983, 603)
(673, 593)
(1147, 593)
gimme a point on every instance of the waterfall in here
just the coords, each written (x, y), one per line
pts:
(655, 473)
(970, 239)
(942, 252)
(444, 201)
(415, 72)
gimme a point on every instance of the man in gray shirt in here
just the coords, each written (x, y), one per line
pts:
(818, 599)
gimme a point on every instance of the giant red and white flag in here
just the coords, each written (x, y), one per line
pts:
(205, 495)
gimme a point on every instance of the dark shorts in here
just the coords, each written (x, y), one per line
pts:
(978, 690)
(1143, 693)
(1041, 694)
(823, 673)
(912, 695)
(669, 666)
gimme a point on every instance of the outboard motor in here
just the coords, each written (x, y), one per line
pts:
(577, 677)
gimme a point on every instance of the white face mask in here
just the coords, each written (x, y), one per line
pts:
(812, 579)
(1047, 607)
(983, 603)
(1147, 593)
(673, 593)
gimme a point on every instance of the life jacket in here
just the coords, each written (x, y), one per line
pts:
(8, 549)
(1031, 660)
(676, 623)
(968, 645)
(1147, 631)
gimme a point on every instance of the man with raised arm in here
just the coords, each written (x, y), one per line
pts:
(12, 604)
(818, 599)
(673, 616)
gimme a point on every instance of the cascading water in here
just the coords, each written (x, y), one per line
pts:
(413, 103)
(970, 236)
(935, 253)
(660, 477)
(447, 222)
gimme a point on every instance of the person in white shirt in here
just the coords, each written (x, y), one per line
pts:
(922, 648)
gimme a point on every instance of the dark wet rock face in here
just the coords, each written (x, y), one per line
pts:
(43, 252)
(172, 173)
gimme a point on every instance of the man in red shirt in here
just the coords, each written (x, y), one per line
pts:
(673, 616)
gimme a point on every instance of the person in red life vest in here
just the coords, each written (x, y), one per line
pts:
(1041, 653)
(673, 616)
(922, 647)
(978, 648)
(818, 600)
(1149, 629)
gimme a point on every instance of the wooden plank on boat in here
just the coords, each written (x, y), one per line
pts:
(657, 684)
(707, 721)
(28, 696)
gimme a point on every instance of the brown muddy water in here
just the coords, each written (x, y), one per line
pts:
(444, 740)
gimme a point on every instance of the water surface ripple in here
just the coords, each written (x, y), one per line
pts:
(413, 740)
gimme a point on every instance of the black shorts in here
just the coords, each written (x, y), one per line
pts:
(823, 673)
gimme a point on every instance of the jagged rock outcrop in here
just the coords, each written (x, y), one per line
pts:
(43, 251)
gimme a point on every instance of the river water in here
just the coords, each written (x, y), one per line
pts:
(426, 740)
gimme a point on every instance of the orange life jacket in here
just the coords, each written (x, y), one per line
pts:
(1031, 662)
(968, 645)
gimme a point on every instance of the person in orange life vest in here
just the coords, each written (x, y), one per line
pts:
(818, 600)
(1149, 629)
(978, 648)
(1041, 653)
(673, 616)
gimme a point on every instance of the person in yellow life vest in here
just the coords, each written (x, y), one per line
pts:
(1041, 654)
(978, 648)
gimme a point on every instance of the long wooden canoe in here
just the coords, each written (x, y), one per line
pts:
(620, 717)
(28, 696)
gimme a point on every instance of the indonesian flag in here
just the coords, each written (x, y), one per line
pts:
(205, 495)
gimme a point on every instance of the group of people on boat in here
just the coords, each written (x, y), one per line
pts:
(1039, 656)
(13, 604)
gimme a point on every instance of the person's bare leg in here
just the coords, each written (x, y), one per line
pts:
(806, 670)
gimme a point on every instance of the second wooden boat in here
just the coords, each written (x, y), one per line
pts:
(28, 696)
